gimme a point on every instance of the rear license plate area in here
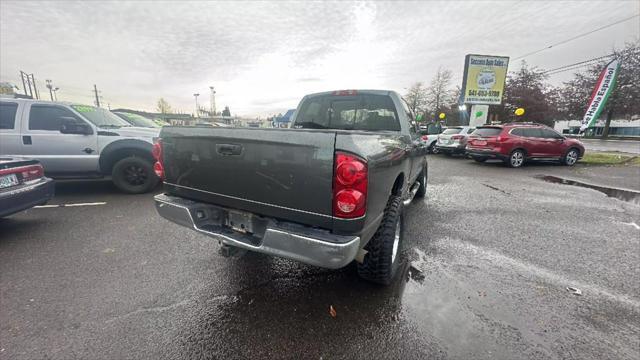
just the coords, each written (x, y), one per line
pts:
(8, 181)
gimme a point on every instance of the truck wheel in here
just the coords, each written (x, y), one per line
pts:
(422, 179)
(381, 261)
(134, 175)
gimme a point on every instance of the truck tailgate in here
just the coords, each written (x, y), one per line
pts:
(280, 173)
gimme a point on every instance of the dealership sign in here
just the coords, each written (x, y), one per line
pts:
(484, 78)
(604, 87)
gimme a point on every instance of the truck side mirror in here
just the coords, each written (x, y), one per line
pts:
(71, 126)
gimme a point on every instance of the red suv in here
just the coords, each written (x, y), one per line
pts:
(516, 143)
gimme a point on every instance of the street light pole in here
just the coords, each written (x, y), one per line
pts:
(50, 87)
(55, 93)
(196, 96)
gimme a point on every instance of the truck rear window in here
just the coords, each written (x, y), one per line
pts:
(488, 131)
(360, 112)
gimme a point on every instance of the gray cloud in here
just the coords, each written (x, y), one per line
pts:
(263, 56)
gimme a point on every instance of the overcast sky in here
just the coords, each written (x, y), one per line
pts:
(262, 57)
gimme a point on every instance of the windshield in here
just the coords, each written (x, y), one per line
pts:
(137, 120)
(100, 117)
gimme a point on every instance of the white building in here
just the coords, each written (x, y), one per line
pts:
(617, 127)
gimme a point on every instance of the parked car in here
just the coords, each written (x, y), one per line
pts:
(326, 192)
(78, 141)
(22, 185)
(453, 140)
(516, 143)
(429, 136)
(137, 120)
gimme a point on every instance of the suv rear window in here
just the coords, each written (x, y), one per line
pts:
(360, 112)
(450, 131)
(487, 131)
(8, 115)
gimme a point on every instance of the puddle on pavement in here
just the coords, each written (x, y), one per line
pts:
(620, 194)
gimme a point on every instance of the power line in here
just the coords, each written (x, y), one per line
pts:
(589, 62)
(581, 63)
(577, 37)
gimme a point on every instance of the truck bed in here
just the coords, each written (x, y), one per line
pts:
(278, 173)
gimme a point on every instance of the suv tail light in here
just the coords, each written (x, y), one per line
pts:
(350, 184)
(457, 137)
(158, 167)
(425, 137)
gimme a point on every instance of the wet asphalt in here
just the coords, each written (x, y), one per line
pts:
(486, 262)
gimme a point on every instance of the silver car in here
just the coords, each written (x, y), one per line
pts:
(453, 140)
(79, 141)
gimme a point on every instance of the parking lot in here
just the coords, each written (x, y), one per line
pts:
(489, 255)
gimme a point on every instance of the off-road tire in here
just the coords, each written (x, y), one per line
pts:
(378, 265)
(122, 170)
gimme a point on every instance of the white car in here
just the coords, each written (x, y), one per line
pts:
(79, 141)
(454, 140)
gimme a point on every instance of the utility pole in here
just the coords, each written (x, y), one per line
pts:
(196, 96)
(95, 89)
(50, 87)
(213, 100)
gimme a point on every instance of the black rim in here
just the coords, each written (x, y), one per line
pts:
(135, 175)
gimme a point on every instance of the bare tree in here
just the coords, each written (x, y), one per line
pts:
(439, 94)
(416, 98)
(163, 106)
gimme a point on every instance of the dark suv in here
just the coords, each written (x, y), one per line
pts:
(516, 143)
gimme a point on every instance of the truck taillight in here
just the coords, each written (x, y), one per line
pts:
(349, 186)
(158, 167)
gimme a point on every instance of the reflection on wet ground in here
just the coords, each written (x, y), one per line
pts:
(620, 194)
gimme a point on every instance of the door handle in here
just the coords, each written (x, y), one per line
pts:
(88, 150)
(26, 140)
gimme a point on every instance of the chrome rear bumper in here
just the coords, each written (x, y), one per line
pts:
(293, 241)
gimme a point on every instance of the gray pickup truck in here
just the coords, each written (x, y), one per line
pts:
(325, 192)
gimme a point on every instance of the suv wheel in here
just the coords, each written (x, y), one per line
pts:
(571, 157)
(516, 159)
(380, 264)
(134, 175)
